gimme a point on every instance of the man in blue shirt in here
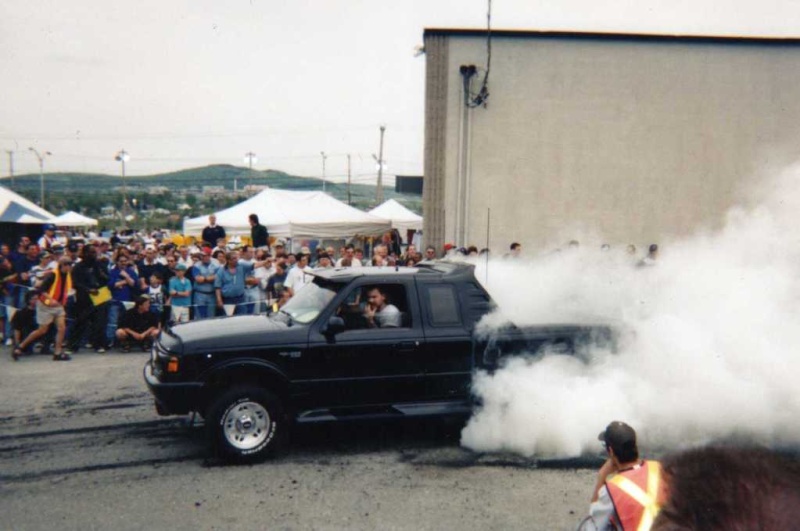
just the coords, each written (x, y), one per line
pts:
(230, 283)
(205, 299)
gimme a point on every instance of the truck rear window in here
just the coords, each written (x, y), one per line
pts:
(443, 302)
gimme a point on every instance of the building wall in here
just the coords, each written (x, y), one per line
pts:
(611, 139)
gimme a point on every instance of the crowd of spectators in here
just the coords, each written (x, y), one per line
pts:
(119, 293)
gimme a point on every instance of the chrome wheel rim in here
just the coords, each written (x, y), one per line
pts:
(246, 425)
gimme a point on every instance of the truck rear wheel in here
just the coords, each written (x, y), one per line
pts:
(245, 424)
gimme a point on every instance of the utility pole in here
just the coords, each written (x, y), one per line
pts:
(324, 158)
(41, 157)
(379, 160)
(349, 202)
(11, 165)
(122, 156)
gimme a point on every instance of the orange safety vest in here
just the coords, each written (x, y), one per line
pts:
(637, 495)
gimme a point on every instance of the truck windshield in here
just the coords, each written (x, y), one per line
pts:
(306, 305)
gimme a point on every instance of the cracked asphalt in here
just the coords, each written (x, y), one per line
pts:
(81, 447)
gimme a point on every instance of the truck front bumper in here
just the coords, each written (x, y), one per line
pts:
(173, 398)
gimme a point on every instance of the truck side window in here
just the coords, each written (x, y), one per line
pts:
(390, 309)
(443, 302)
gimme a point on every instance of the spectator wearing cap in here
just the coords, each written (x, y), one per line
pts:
(180, 295)
(629, 490)
(205, 298)
(212, 233)
(122, 281)
(148, 265)
(185, 258)
(138, 326)
(48, 238)
(46, 265)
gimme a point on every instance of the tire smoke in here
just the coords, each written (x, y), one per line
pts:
(710, 352)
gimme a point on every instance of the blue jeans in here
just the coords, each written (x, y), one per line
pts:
(205, 305)
(115, 310)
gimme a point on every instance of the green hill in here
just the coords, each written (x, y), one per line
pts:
(184, 184)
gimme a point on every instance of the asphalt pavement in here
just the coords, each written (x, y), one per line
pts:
(81, 447)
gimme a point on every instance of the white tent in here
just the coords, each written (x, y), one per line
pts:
(73, 219)
(16, 209)
(401, 218)
(291, 214)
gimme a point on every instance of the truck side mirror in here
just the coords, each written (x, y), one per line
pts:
(334, 326)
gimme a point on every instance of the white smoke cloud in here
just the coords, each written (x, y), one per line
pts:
(714, 353)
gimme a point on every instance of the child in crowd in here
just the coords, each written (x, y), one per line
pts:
(180, 294)
(157, 294)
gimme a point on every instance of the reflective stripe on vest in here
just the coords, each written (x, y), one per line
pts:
(638, 509)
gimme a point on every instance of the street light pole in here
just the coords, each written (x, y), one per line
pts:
(324, 158)
(41, 157)
(250, 158)
(123, 157)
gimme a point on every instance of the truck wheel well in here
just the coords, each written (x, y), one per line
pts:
(219, 382)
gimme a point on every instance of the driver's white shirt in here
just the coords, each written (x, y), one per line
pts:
(388, 317)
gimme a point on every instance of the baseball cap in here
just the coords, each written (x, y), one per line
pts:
(181, 267)
(618, 434)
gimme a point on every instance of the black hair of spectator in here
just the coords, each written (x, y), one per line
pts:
(472, 249)
(653, 247)
(30, 295)
(158, 274)
(483, 251)
(350, 246)
(515, 246)
(254, 218)
(722, 488)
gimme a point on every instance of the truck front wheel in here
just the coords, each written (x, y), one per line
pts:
(245, 424)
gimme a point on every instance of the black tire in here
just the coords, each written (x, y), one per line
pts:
(245, 424)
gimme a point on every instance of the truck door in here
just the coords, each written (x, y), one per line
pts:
(369, 363)
(448, 343)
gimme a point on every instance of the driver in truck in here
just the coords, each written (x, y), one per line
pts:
(378, 312)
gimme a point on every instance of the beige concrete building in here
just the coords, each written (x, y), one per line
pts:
(606, 138)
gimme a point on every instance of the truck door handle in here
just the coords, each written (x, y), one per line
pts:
(407, 346)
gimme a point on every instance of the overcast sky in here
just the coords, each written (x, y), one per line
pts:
(182, 83)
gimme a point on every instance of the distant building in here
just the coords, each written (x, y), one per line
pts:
(628, 138)
(157, 190)
(408, 184)
(211, 191)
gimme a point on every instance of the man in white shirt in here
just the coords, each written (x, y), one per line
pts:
(297, 278)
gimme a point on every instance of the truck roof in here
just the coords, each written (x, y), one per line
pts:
(431, 269)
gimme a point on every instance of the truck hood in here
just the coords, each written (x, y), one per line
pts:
(237, 332)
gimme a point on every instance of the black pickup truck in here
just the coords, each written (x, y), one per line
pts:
(324, 358)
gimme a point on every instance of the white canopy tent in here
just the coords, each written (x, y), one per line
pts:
(73, 219)
(292, 214)
(16, 209)
(400, 217)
